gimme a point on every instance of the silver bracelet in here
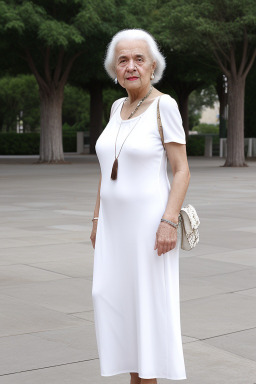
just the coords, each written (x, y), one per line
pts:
(175, 225)
(95, 218)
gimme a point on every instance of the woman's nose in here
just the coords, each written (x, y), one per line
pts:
(131, 65)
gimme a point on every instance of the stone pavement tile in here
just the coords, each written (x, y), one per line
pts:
(37, 204)
(250, 229)
(241, 343)
(43, 253)
(48, 348)
(241, 256)
(86, 372)
(7, 209)
(48, 226)
(234, 281)
(77, 266)
(204, 249)
(243, 211)
(187, 339)
(197, 267)
(86, 315)
(74, 212)
(228, 239)
(71, 235)
(225, 223)
(192, 288)
(207, 364)
(23, 274)
(6, 232)
(20, 316)
(18, 242)
(69, 227)
(66, 295)
(248, 292)
(27, 215)
(217, 315)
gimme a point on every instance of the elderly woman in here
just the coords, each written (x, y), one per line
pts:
(135, 235)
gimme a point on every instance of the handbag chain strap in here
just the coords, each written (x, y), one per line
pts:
(159, 123)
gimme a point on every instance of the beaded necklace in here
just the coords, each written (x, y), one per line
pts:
(115, 164)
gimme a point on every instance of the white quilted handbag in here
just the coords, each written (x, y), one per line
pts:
(189, 222)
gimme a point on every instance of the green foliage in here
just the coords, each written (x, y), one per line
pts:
(194, 118)
(28, 143)
(19, 144)
(69, 142)
(190, 32)
(76, 105)
(19, 94)
(109, 96)
(197, 100)
(45, 20)
(195, 144)
(206, 128)
(207, 26)
(203, 98)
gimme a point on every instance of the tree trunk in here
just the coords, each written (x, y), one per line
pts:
(183, 90)
(96, 113)
(222, 95)
(235, 133)
(51, 146)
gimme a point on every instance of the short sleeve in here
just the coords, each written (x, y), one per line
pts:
(171, 120)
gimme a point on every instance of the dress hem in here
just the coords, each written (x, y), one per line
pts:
(144, 376)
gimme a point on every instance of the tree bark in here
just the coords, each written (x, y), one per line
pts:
(222, 95)
(51, 145)
(236, 75)
(96, 113)
(235, 131)
(51, 91)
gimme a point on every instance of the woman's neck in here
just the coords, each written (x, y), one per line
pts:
(137, 94)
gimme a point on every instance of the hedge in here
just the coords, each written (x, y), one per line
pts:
(28, 143)
(195, 144)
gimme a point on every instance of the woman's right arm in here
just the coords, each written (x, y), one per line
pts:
(96, 214)
(97, 205)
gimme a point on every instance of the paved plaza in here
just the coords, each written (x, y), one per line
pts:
(46, 264)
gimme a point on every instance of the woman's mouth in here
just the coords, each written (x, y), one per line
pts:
(132, 78)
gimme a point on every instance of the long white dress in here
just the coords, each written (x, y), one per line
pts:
(135, 292)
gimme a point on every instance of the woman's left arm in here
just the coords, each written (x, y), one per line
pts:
(166, 236)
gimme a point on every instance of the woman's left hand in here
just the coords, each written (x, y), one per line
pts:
(166, 238)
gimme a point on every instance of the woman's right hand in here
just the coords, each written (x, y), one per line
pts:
(94, 232)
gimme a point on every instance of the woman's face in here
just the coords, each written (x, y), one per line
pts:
(133, 64)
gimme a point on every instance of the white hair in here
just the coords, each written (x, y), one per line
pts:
(135, 34)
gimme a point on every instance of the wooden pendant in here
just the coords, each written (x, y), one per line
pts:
(114, 170)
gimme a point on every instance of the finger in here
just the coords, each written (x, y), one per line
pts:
(155, 244)
(160, 250)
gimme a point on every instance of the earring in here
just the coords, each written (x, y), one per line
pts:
(152, 76)
(115, 80)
